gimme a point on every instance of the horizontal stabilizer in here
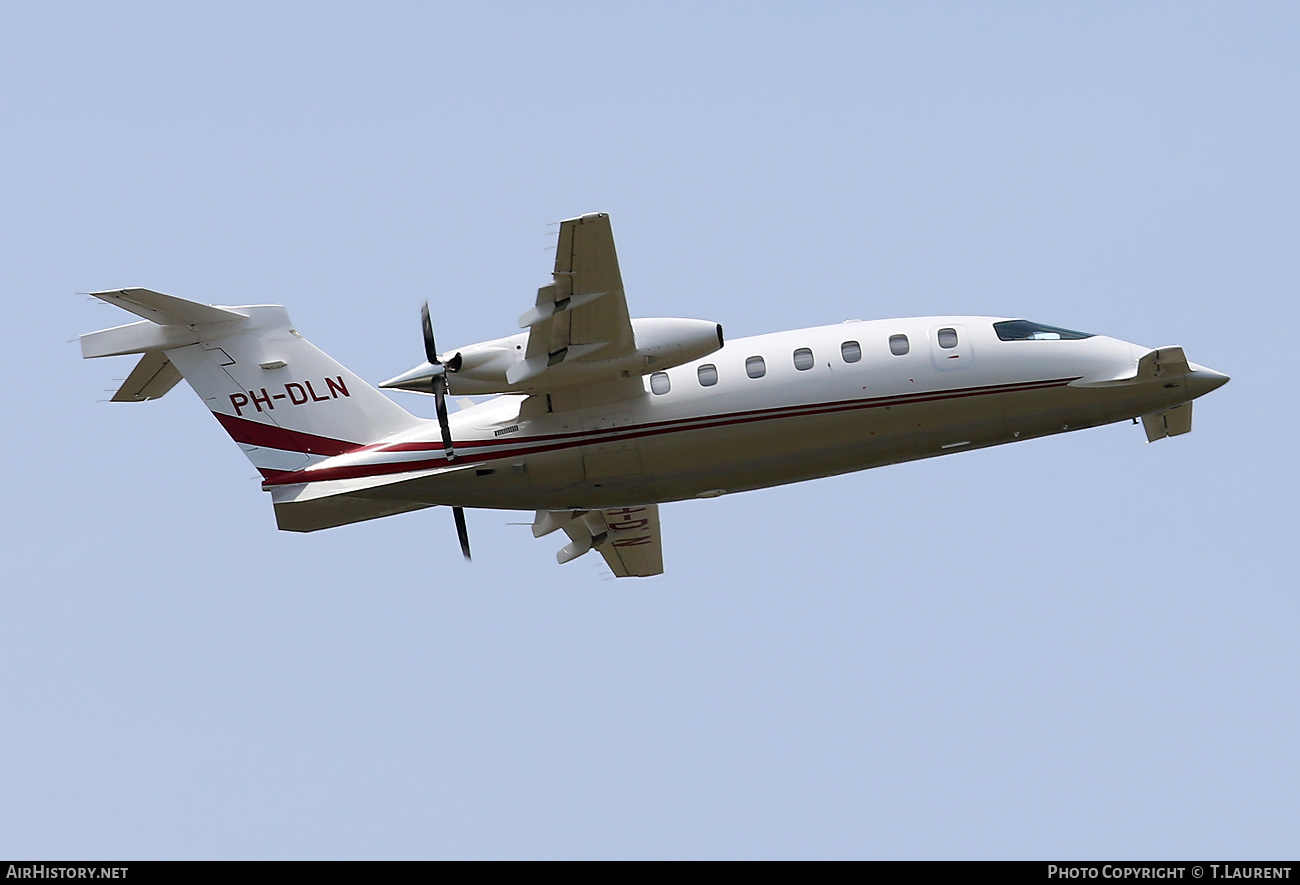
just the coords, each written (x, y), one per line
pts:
(153, 376)
(1171, 422)
(167, 310)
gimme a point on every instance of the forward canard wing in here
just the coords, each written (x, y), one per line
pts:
(627, 537)
(1170, 422)
(1160, 363)
(1169, 366)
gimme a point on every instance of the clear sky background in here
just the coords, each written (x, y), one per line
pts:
(1078, 647)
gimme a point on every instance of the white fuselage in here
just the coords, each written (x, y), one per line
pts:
(677, 437)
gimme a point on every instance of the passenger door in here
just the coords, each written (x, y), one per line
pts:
(950, 347)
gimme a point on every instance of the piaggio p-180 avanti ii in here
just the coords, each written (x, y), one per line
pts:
(598, 418)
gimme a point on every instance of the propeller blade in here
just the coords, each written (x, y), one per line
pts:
(438, 382)
(440, 400)
(462, 532)
(430, 350)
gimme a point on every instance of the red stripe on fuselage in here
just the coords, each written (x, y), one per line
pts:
(253, 433)
(517, 446)
(711, 420)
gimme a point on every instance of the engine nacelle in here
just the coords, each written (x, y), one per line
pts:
(665, 343)
(483, 368)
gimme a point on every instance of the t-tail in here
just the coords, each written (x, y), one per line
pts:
(287, 404)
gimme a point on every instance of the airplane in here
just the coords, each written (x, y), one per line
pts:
(596, 418)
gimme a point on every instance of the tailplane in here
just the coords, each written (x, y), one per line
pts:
(286, 403)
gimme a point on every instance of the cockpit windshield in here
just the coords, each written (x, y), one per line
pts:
(1024, 330)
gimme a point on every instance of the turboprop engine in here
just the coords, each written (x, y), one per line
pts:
(502, 365)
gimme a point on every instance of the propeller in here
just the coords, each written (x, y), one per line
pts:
(438, 383)
(438, 380)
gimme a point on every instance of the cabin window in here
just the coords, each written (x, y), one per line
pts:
(708, 374)
(898, 345)
(803, 359)
(947, 337)
(659, 383)
(851, 351)
(755, 367)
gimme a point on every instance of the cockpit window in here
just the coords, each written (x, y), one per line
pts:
(1024, 330)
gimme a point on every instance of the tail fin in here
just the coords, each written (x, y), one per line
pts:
(286, 403)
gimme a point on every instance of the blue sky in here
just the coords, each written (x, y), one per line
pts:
(1069, 648)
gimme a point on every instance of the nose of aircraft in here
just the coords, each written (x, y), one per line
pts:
(1201, 381)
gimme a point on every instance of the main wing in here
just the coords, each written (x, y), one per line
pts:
(579, 334)
(582, 314)
(628, 537)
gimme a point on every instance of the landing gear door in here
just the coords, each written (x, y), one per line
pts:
(950, 347)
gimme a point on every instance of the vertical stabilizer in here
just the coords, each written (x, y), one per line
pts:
(286, 403)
